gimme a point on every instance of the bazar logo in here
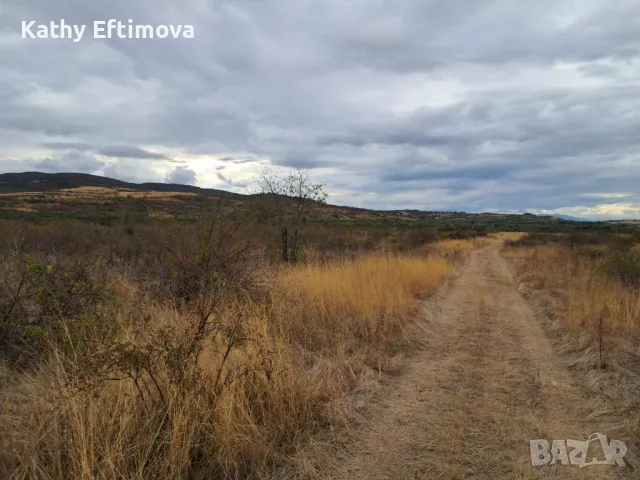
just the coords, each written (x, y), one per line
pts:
(596, 450)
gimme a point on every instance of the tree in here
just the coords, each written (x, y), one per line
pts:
(289, 198)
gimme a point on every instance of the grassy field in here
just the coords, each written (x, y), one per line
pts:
(162, 335)
(184, 351)
(595, 280)
(588, 285)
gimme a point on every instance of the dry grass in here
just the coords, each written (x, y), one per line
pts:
(481, 307)
(455, 249)
(245, 411)
(595, 323)
(58, 430)
(367, 298)
(508, 235)
(583, 294)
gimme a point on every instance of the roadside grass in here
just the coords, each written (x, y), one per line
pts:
(588, 287)
(114, 389)
(455, 249)
(366, 299)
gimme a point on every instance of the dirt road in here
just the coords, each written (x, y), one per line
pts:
(486, 382)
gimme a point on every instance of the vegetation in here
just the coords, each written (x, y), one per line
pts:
(172, 350)
(149, 334)
(288, 201)
(38, 197)
(589, 285)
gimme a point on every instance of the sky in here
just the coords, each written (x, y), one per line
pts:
(484, 105)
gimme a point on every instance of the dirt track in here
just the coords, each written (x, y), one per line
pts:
(486, 382)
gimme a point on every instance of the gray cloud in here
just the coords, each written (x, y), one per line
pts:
(238, 159)
(181, 175)
(132, 170)
(68, 146)
(122, 151)
(229, 182)
(68, 162)
(493, 104)
(114, 151)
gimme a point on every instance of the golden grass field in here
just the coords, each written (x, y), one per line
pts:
(594, 318)
(324, 328)
(177, 352)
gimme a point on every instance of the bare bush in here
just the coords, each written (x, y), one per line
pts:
(289, 200)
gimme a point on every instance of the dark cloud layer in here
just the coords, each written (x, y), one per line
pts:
(120, 151)
(487, 105)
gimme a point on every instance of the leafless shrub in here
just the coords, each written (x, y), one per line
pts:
(288, 201)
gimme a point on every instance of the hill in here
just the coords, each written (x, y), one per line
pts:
(47, 182)
(46, 196)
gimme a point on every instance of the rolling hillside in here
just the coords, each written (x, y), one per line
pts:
(47, 182)
(42, 196)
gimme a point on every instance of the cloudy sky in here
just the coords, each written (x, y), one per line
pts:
(483, 105)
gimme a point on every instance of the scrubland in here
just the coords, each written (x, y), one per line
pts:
(190, 350)
(588, 285)
(593, 282)
(185, 351)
